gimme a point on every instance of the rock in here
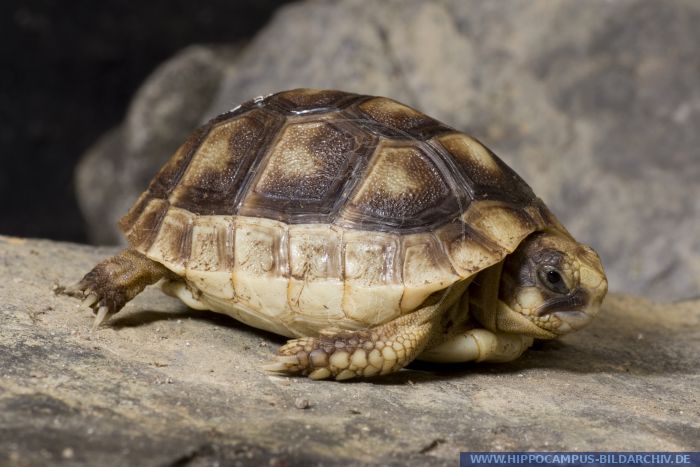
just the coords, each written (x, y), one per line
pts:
(164, 385)
(595, 103)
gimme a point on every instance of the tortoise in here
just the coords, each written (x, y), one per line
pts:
(366, 231)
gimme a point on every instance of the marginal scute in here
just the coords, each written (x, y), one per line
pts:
(371, 259)
(207, 252)
(142, 221)
(171, 246)
(505, 225)
(373, 283)
(402, 186)
(260, 272)
(212, 179)
(211, 255)
(257, 246)
(314, 251)
(467, 251)
(315, 286)
(426, 269)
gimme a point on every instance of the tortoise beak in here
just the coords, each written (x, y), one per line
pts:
(572, 320)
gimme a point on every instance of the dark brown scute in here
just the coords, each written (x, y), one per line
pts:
(211, 183)
(175, 236)
(304, 173)
(169, 175)
(402, 188)
(135, 212)
(143, 221)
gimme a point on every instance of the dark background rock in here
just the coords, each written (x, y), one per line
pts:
(596, 104)
(68, 70)
(165, 385)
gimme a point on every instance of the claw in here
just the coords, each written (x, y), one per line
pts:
(282, 364)
(101, 315)
(75, 290)
(320, 373)
(90, 300)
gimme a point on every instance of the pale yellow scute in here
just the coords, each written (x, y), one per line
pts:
(426, 269)
(500, 224)
(212, 243)
(467, 254)
(373, 284)
(210, 263)
(315, 287)
(260, 275)
(259, 246)
(371, 258)
(372, 305)
(314, 251)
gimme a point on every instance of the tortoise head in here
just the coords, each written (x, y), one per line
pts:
(551, 285)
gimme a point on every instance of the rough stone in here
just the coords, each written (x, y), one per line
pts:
(595, 103)
(165, 385)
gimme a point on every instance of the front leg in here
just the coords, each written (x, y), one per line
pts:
(480, 345)
(115, 281)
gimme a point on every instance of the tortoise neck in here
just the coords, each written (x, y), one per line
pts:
(483, 296)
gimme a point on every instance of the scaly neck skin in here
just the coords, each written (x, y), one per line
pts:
(493, 313)
(483, 296)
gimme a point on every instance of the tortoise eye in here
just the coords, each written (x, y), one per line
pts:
(553, 280)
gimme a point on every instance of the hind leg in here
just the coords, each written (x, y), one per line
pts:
(376, 351)
(115, 281)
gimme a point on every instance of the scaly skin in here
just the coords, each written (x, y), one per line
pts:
(115, 281)
(377, 351)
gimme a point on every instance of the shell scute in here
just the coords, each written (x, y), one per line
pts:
(305, 169)
(485, 175)
(396, 120)
(401, 187)
(213, 177)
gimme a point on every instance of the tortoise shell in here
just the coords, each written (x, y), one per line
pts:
(315, 208)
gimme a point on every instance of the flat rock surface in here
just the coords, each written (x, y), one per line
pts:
(165, 385)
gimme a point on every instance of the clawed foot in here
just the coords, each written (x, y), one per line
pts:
(115, 281)
(343, 355)
(91, 297)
